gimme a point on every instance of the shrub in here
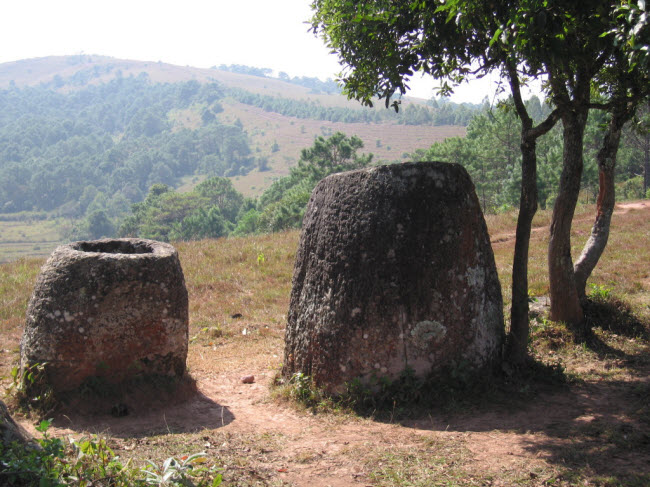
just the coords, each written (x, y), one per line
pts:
(90, 461)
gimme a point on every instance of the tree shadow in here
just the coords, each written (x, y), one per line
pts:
(606, 435)
(144, 412)
(595, 428)
(616, 316)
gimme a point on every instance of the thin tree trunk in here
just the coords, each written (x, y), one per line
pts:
(517, 350)
(519, 323)
(597, 242)
(644, 145)
(565, 303)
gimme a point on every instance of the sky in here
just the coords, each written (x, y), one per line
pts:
(199, 33)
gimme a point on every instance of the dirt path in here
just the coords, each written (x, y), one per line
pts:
(334, 450)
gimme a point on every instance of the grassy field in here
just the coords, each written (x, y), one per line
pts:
(589, 427)
(29, 238)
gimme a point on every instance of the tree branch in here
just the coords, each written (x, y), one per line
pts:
(546, 125)
(515, 86)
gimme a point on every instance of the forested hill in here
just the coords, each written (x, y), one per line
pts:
(114, 140)
(84, 138)
(76, 123)
(92, 146)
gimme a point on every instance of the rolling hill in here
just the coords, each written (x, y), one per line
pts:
(278, 137)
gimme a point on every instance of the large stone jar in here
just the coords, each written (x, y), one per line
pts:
(394, 271)
(112, 309)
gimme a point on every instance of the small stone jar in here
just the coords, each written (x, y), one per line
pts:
(112, 309)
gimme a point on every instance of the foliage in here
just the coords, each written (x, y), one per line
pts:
(30, 389)
(101, 147)
(209, 211)
(283, 205)
(90, 461)
(215, 209)
(99, 225)
(632, 31)
(490, 153)
(634, 153)
(600, 292)
(181, 472)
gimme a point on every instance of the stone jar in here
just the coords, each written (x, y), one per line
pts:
(394, 271)
(113, 309)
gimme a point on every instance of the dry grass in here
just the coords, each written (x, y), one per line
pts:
(566, 436)
(618, 268)
(250, 277)
(17, 280)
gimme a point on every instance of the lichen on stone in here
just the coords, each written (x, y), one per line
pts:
(427, 332)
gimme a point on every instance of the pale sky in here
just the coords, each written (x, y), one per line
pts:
(260, 33)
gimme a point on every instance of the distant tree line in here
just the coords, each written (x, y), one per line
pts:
(315, 85)
(440, 112)
(490, 153)
(215, 209)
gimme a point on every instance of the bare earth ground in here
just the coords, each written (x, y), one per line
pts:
(302, 449)
(591, 425)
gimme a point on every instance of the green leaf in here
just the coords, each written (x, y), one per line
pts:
(44, 425)
(495, 36)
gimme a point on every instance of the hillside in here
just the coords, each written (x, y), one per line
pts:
(580, 417)
(264, 127)
(82, 134)
(97, 69)
(388, 142)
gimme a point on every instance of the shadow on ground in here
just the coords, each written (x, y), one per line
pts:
(595, 427)
(186, 412)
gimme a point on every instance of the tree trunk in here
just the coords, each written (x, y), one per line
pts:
(595, 246)
(605, 205)
(565, 303)
(517, 350)
(644, 145)
(519, 323)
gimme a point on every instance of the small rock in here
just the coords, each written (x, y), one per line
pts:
(248, 379)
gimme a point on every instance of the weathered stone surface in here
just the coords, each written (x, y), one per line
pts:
(394, 270)
(112, 308)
